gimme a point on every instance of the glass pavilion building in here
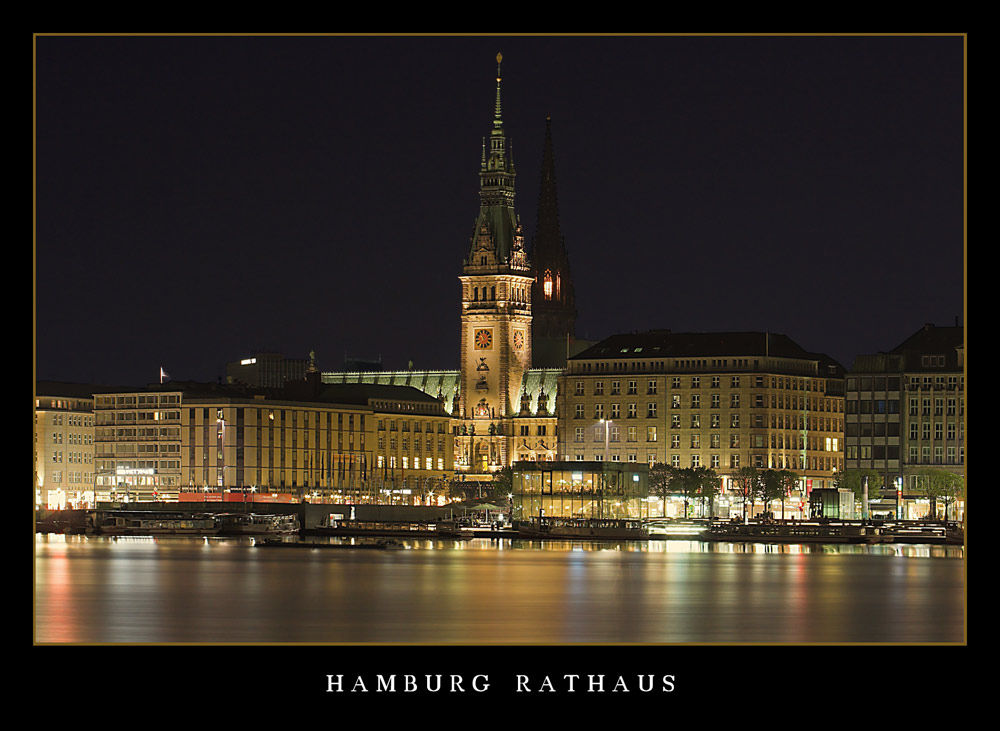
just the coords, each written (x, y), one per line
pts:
(586, 490)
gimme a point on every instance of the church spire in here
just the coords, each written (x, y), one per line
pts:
(553, 298)
(548, 242)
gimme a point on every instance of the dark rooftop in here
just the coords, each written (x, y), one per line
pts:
(667, 344)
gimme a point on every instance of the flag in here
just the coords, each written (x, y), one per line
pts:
(163, 375)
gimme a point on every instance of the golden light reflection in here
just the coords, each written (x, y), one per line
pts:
(90, 589)
(60, 616)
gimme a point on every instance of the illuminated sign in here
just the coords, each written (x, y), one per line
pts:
(248, 361)
(135, 471)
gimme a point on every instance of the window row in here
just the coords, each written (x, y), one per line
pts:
(734, 461)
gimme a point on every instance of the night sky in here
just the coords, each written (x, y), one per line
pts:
(199, 198)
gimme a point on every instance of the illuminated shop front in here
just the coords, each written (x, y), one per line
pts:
(587, 490)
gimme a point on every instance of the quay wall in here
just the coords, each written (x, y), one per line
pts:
(310, 515)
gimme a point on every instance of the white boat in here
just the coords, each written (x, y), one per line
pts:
(684, 528)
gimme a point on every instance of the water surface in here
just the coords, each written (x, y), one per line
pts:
(166, 590)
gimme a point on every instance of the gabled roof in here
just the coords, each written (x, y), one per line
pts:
(931, 339)
(907, 356)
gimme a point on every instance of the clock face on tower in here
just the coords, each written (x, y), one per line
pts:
(484, 339)
(518, 340)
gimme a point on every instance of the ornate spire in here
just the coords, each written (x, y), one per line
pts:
(496, 226)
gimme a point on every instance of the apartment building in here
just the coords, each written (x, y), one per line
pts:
(717, 400)
(64, 444)
(905, 411)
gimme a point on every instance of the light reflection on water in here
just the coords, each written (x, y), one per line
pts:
(653, 546)
(488, 590)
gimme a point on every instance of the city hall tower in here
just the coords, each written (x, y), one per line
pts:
(496, 296)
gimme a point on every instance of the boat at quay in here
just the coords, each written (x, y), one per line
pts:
(162, 523)
(381, 545)
(257, 524)
(833, 531)
(409, 529)
(143, 523)
(687, 529)
(584, 528)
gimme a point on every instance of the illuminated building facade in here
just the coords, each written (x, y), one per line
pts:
(905, 413)
(192, 441)
(64, 445)
(717, 400)
(137, 444)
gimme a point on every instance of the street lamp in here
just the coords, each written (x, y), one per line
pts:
(222, 449)
(607, 428)
(899, 498)
(428, 493)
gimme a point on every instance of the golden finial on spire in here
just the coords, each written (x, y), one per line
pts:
(499, 59)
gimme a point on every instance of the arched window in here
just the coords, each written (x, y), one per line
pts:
(493, 293)
(547, 285)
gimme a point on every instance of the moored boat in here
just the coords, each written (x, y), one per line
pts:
(792, 532)
(452, 529)
(156, 524)
(257, 524)
(677, 528)
(583, 528)
(385, 545)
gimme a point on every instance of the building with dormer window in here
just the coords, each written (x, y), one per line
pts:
(905, 415)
